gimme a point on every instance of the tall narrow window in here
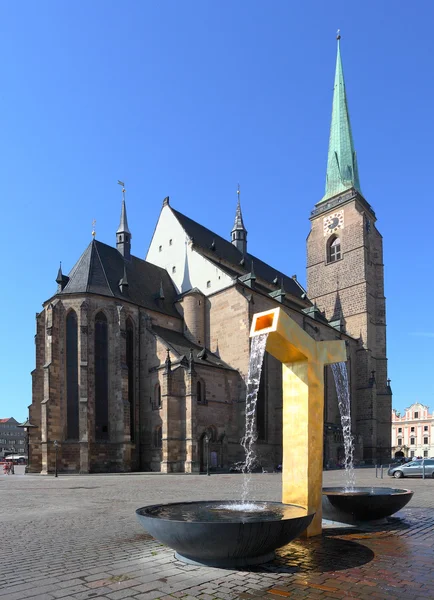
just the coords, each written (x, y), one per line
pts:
(130, 367)
(157, 396)
(72, 376)
(101, 377)
(261, 404)
(333, 249)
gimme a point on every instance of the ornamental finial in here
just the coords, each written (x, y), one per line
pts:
(338, 34)
(93, 228)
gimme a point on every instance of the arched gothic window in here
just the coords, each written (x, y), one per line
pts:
(130, 367)
(158, 437)
(333, 249)
(157, 396)
(72, 427)
(101, 377)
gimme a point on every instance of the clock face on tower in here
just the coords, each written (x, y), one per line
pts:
(333, 222)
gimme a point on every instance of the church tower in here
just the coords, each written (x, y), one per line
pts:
(345, 276)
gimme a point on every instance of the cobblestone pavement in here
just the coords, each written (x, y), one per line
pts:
(76, 538)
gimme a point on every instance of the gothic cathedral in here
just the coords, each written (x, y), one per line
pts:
(142, 364)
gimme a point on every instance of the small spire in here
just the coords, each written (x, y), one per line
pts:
(123, 234)
(167, 362)
(252, 271)
(59, 277)
(123, 283)
(93, 228)
(239, 232)
(342, 169)
(191, 362)
(123, 225)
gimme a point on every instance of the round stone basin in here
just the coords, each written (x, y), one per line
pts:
(222, 533)
(362, 503)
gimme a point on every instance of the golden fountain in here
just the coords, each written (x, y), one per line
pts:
(303, 361)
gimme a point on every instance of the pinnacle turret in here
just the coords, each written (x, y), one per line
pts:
(342, 171)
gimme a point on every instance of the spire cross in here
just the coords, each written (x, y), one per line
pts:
(93, 228)
(338, 34)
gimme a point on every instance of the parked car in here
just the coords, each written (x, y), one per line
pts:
(413, 469)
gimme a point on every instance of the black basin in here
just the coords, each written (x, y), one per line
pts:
(204, 533)
(363, 503)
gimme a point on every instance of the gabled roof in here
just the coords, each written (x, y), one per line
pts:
(217, 249)
(181, 347)
(100, 269)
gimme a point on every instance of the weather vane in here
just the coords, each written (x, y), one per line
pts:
(93, 228)
(238, 190)
(338, 34)
(123, 188)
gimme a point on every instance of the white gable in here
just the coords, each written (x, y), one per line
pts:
(171, 249)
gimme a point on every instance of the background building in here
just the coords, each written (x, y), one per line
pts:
(11, 438)
(143, 364)
(413, 433)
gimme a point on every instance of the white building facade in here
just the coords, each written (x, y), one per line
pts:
(413, 433)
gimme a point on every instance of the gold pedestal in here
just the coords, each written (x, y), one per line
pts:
(303, 361)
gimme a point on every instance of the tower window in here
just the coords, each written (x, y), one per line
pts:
(333, 249)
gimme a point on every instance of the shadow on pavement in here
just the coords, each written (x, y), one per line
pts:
(320, 555)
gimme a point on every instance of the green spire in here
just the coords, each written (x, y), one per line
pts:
(342, 171)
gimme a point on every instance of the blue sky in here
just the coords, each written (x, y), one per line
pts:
(189, 98)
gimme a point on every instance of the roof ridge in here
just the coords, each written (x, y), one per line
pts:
(177, 212)
(77, 265)
(102, 267)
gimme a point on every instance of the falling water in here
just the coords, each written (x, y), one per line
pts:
(257, 352)
(340, 374)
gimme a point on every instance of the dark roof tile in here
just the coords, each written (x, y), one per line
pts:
(204, 238)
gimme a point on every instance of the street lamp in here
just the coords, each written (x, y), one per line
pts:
(56, 445)
(27, 426)
(207, 439)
